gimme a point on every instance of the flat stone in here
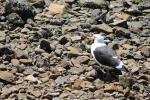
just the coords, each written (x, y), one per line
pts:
(56, 8)
(15, 62)
(60, 80)
(119, 18)
(31, 78)
(102, 27)
(92, 3)
(26, 61)
(75, 70)
(7, 76)
(36, 93)
(76, 38)
(73, 51)
(145, 51)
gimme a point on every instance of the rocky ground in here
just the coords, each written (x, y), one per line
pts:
(44, 49)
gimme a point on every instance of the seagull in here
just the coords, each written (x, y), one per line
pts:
(105, 55)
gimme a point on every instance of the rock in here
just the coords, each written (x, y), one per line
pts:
(8, 91)
(145, 51)
(21, 54)
(39, 51)
(26, 61)
(93, 3)
(31, 78)
(25, 30)
(127, 46)
(125, 81)
(102, 27)
(65, 64)
(63, 40)
(135, 25)
(60, 80)
(76, 38)
(83, 59)
(121, 52)
(137, 55)
(21, 7)
(75, 70)
(15, 62)
(113, 87)
(98, 83)
(120, 18)
(7, 76)
(99, 94)
(37, 94)
(91, 75)
(146, 33)
(45, 45)
(56, 8)
(45, 79)
(15, 19)
(73, 51)
(119, 31)
(134, 10)
(70, 1)
(77, 84)
(144, 4)
(147, 65)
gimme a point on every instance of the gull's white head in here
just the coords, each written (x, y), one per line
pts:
(98, 38)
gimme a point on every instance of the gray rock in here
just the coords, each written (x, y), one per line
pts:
(60, 80)
(21, 7)
(15, 19)
(45, 45)
(75, 70)
(7, 76)
(119, 31)
(93, 3)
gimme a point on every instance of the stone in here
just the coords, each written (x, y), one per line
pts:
(120, 18)
(15, 19)
(60, 80)
(15, 62)
(76, 38)
(145, 51)
(7, 76)
(73, 51)
(25, 61)
(25, 30)
(102, 27)
(147, 65)
(22, 6)
(138, 56)
(135, 25)
(31, 78)
(39, 51)
(63, 40)
(127, 46)
(83, 59)
(37, 94)
(120, 31)
(113, 87)
(77, 83)
(45, 79)
(56, 8)
(125, 81)
(91, 75)
(93, 3)
(98, 83)
(45, 45)
(75, 70)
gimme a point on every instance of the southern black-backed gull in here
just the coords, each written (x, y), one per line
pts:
(105, 55)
